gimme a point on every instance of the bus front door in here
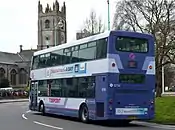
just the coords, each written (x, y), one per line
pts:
(34, 95)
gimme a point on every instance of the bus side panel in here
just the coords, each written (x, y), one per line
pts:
(101, 96)
(91, 108)
(151, 84)
(74, 110)
(65, 106)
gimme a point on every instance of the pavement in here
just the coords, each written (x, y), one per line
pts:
(13, 100)
(15, 115)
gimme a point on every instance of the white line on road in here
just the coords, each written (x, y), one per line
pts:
(23, 116)
(28, 111)
(50, 126)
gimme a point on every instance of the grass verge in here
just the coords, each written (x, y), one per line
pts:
(165, 110)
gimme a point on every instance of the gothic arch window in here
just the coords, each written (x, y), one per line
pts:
(22, 76)
(13, 77)
(47, 24)
(2, 73)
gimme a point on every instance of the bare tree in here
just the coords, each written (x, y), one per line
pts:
(92, 26)
(152, 16)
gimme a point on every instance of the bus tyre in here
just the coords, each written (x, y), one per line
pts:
(42, 109)
(84, 114)
(125, 122)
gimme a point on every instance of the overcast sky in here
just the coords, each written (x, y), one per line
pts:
(18, 23)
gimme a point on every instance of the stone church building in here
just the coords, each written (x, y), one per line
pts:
(16, 67)
(51, 31)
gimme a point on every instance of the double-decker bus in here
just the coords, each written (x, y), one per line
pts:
(109, 76)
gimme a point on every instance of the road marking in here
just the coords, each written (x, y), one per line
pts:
(23, 116)
(28, 111)
(50, 126)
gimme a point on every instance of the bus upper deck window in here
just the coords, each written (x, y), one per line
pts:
(131, 44)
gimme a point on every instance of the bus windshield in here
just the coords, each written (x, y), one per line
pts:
(131, 44)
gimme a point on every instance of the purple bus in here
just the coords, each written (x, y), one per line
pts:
(109, 76)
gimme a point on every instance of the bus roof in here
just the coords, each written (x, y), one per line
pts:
(73, 43)
(85, 40)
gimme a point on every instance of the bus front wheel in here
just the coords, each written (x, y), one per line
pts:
(42, 108)
(84, 114)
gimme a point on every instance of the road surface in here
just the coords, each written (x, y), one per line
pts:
(15, 116)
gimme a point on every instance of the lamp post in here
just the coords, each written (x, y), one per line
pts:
(108, 15)
(163, 78)
(60, 25)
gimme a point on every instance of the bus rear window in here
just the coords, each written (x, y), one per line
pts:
(132, 78)
(131, 44)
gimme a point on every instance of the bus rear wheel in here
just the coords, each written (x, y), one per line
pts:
(84, 114)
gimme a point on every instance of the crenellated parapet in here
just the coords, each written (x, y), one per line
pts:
(55, 9)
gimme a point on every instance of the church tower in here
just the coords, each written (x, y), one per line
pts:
(51, 25)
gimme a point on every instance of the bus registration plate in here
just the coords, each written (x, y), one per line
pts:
(131, 111)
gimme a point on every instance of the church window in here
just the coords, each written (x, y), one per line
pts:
(2, 73)
(22, 76)
(47, 38)
(13, 77)
(47, 24)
